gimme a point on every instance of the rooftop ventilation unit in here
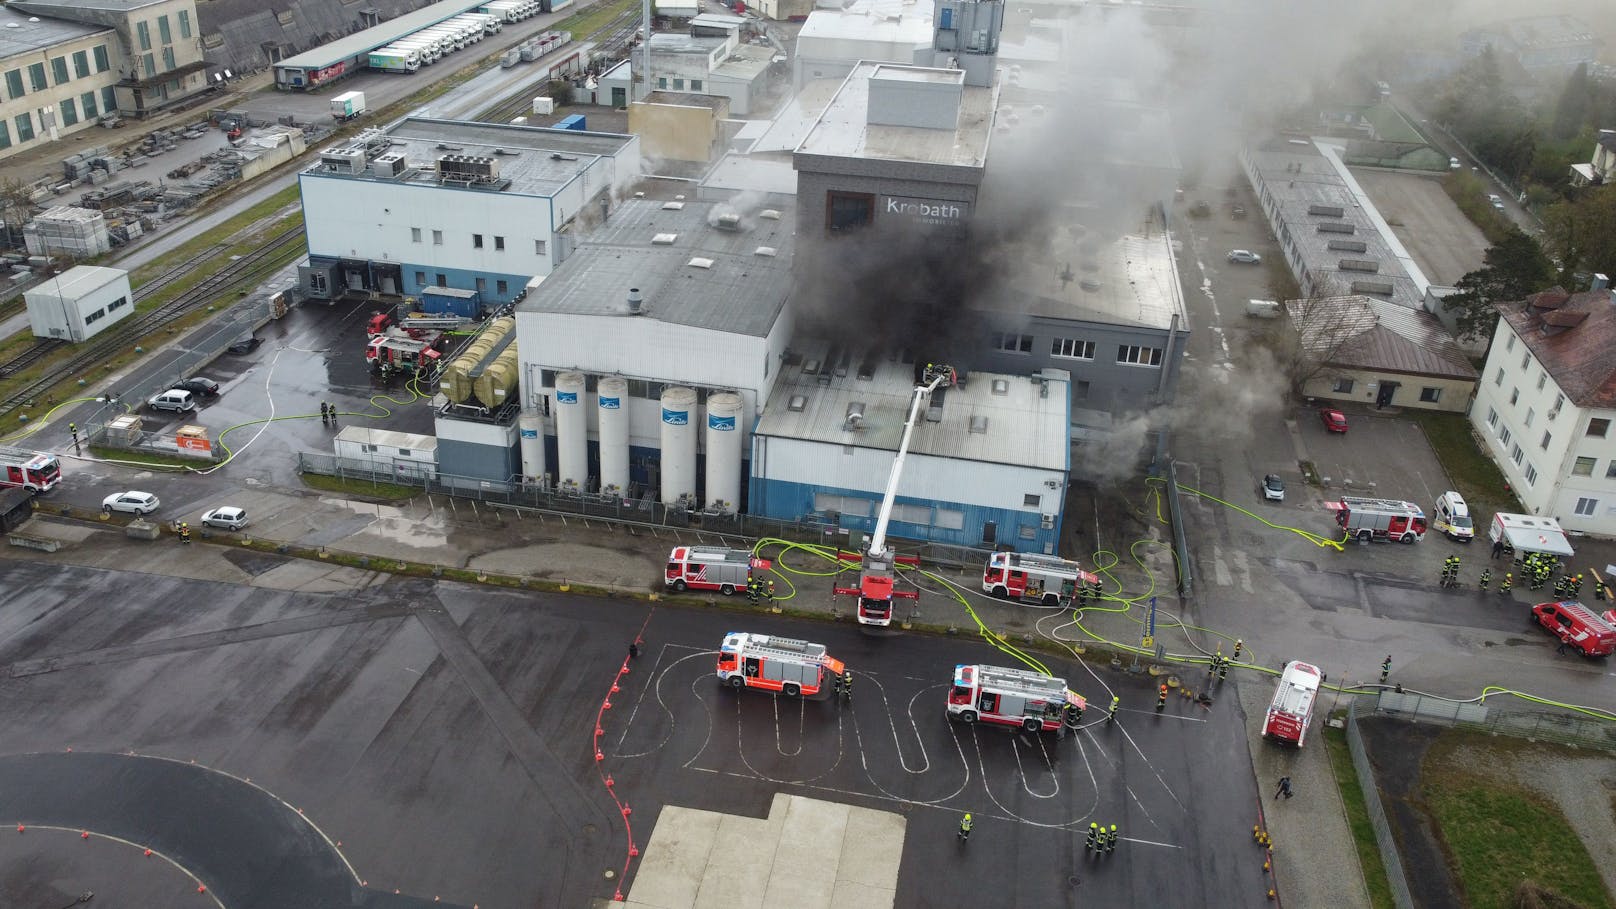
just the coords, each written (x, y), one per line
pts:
(1368, 265)
(1328, 211)
(636, 303)
(673, 206)
(391, 164)
(699, 262)
(979, 425)
(855, 416)
(810, 368)
(728, 221)
(467, 169)
(1001, 387)
(1357, 246)
(797, 404)
(664, 239)
(769, 251)
(1337, 227)
(343, 160)
(769, 214)
(1382, 288)
(557, 156)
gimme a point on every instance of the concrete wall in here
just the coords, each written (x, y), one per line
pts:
(1099, 383)
(63, 107)
(678, 132)
(814, 187)
(1453, 395)
(483, 451)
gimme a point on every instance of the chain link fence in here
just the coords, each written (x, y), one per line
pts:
(739, 530)
(1546, 725)
(1377, 812)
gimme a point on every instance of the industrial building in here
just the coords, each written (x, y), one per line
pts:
(648, 355)
(326, 62)
(440, 203)
(833, 40)
(58, 78)
(1333, 239)
(988, 464)
(157, 55)
(709, 59)
(1368, 351)
(79, 303)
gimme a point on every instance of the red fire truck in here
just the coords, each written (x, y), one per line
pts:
(723, 570)
(34, 471)
(1379, 519)
(1292, 706)
(397, 351)
(1011, 697)
(785, 665)
(1033, 578)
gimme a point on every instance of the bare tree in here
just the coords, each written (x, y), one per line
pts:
(1321, 327)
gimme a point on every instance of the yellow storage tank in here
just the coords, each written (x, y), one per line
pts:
(455, 381)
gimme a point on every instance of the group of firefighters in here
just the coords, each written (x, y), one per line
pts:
(328, 414)
(1087, 594)
(757, 587)
(1536, 568)
(1101, 840)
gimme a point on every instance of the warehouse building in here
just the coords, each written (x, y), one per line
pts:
(58, 78)
(988, 463)
(157, 55)
(79, 303)
(440, 203)
(648, 355)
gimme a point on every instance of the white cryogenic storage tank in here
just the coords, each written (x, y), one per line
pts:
(530, 428)
(678, 446)
(612, 399)
(572, 434)
(724, 451)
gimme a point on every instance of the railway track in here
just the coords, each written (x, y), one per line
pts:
(617, 32)
(45, 346)
(105, 347)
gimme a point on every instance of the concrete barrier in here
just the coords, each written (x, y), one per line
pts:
(40, 543)
(142, 530)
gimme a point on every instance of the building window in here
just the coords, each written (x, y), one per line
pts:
(538, 247)
(476, 241)
(949, 519)
(1492, 418)
(1514, 395)
(1610, 470)
(1515, 454)
(1585, 467)
(1598, 426)
(149, 63)
(1026, 532)
(70, 112)
(162, 30)
(87, 101)
(59, 69)
(1545, 443)
(499, 244)
(420, 279)
(695, 86)
(678, 84)
(437, 238)
(36, 77)
(1139, 356)
(1012, 343)
(1531, 475)
(5, 134)
(1542, 378)
(1072, 349)
(168, 60)
(415, 235)
(1499, 379)
(118, 304)
(185, 23)
(1559, 401)
(848, 211)
(1503, 436)
(662, 82)
(1080, 390)
(501, 288)
(25, 126)
(1030, 500)
(1585, 507)
(1430, 395)
(102, 63)
(1530, 413)
(94, 316)
(143, 33)
(109, 101)
(482, 285)
(14, 84)
(1342, 386)
(442, 281)
(1509, 344)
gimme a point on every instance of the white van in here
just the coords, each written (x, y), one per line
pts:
(1452, 517)
(175, 399)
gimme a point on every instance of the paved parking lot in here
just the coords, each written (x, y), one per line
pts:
(1435, 232)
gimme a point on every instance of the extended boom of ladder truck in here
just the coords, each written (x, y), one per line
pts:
(876, 578)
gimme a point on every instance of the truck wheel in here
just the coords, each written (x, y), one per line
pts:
(1366, 535)
(736, 682)
(1051, 599)
(1031, 724)
(967, 716)
(1001, 592)
(727, 590)
(790, 690)
(679, 585)
(1408, 538)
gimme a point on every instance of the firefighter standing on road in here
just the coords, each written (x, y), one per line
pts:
(1507, 583)
(1092, 844)
(847, 684)
(1486, 577)
(1115, 701)
(1161, 698)
(965, 827)
(769, 591)
(1111, 840)
(185, 532)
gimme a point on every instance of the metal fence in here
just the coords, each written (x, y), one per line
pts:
(1377, 812)
(1563, 726)
(740, 530)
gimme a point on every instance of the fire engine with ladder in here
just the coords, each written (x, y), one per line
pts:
(877, 580)
(1032, 701)
(1379, 519)
(395, 350)
(784, 665)
(1292, 708)
(1030, 577)
(34, 471)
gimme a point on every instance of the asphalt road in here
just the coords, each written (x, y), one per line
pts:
(436, 738)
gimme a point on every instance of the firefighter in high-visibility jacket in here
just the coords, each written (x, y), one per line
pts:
(1093, 842)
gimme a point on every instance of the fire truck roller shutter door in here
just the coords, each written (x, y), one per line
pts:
(1010, 705)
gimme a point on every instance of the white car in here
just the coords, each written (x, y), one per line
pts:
(1273, 488)
(1244, 256)
(226, 517)
(133, 502)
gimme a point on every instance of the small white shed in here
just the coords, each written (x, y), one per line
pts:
(407, 455)
(79, 303)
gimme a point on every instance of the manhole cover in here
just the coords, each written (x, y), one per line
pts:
(1074, 881)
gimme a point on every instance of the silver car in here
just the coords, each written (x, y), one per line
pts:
(131, 502)
(226, 517)
(1244, 257)
(1273, 488)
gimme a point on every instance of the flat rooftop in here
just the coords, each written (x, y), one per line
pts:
(367, 40)
(20, 36)
(868, 22)
(689, 270)
(1073, 273)
(533, 160)
(843, 130)
(1023, 423)
(78, 281)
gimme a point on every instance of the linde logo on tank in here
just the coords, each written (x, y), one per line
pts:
(926, 211)
(566, 397)
(610, 403)
(676, 417)
(725, 424)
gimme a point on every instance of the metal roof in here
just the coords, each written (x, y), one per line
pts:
(537, 161)
(844, 130)
(78, 281)
(1366, 333)
(121, 6)
(376, 36)
(1577, 354)
(19, 35)
(1025, 425)
(689, 271)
